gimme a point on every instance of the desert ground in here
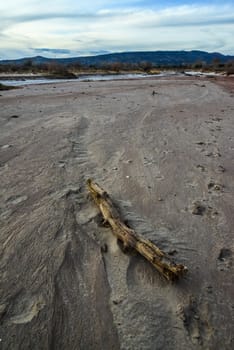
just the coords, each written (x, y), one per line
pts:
(166, 159)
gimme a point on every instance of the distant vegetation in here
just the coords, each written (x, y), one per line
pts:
(55, 69)
(58, 70)
(229, 68)
(147, 62)
(52, 69)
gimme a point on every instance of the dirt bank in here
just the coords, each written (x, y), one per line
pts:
(167, 158)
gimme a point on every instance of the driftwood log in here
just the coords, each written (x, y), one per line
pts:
(130, 239)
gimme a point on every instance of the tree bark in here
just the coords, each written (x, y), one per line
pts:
(130, 239)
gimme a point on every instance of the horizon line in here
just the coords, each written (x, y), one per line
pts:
(110, 53)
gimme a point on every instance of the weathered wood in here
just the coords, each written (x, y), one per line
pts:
(131, 239)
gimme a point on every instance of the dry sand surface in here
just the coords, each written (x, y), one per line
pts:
(167, 159)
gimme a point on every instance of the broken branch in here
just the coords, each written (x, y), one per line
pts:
(130, 239)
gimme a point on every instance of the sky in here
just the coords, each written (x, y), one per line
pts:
(70, 28)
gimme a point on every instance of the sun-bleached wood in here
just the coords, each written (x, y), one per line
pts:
(130, 239)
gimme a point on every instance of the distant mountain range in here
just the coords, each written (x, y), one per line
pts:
(157, 58)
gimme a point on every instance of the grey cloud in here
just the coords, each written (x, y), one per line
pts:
(3, 36)
(59, 15)
(90, 52)
(207, 28)
(190, 19)
(99, 52)
(206, 22)
(7, 22)
(187, 22)
(55, 51)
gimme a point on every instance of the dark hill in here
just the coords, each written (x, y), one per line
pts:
(157, 58)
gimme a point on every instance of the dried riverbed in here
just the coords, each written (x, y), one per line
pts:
(167, 159)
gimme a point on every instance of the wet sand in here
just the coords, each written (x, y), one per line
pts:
(167, 159)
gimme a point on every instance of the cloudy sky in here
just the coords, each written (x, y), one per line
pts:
(66, 28)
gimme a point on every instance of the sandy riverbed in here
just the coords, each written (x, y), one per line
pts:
(167, 159)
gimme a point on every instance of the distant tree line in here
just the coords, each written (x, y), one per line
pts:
(216, 66)
(55, 68)
(30, 67)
